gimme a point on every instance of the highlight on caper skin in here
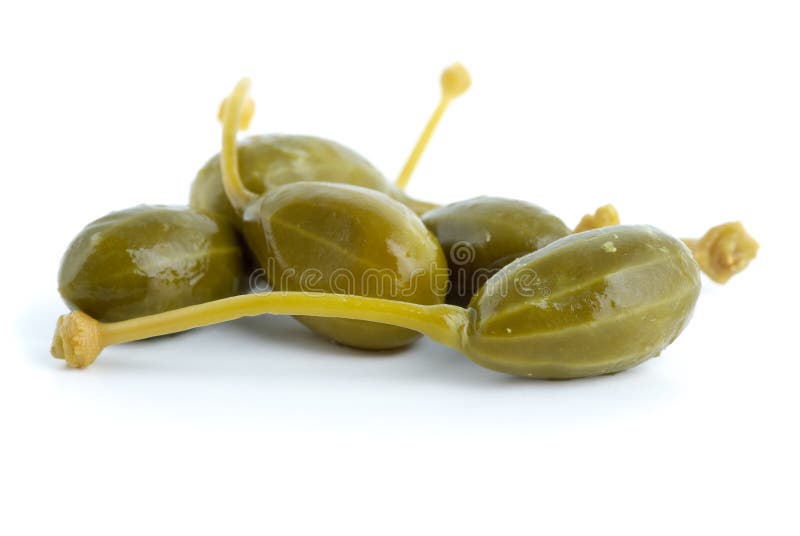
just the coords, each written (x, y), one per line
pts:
(379, 245)
(592, 303)
(149, 259)
(269, 161)
(479, 236)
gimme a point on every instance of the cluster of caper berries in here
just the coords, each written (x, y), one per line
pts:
(522, 293)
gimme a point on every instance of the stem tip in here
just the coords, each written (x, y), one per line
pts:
(77, 339)
(455, 80)
(724, 251)
(604, 216)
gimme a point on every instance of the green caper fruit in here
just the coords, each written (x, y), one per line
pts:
(481, 235)
(266, 162)
(592, 303)
(150, 259)
(336, 238)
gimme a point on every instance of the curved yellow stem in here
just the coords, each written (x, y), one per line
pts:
(235, 112)
(79, 339)
(455, 81)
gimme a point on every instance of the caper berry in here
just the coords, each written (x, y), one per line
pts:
(481, 235)
(591, 303)
(344, 239)
(149, 259)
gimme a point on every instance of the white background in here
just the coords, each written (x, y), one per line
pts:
(683, 113)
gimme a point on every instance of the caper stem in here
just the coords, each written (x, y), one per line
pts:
(604, 216)
(233, 118)
(723, 251)
(79, 338)
(455, 81)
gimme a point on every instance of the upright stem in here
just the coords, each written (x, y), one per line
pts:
(79, 338)
(455, 81)
(233, 117)
(422, 142)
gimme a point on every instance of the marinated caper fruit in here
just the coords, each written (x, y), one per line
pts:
(150, 259)
(328, 232)
(592, 303)
(479, 236)
(337, 238)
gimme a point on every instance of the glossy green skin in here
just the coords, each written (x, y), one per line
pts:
(266, 162)
(150, 259)
(324, 237)
(480, 236)
(598, 302)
